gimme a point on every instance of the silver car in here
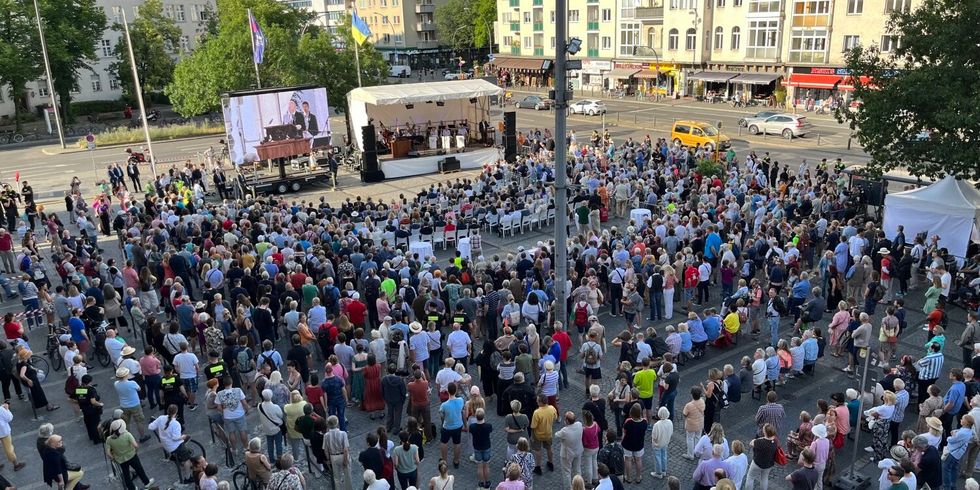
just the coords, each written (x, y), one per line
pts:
(789, 126)
(590, 107)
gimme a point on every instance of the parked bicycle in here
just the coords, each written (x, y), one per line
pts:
(53, 348)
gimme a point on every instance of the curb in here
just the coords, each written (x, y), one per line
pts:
(57, 151)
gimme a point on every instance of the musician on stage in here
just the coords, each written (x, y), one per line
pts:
(445, 134)
(432, 134)
(461, 134)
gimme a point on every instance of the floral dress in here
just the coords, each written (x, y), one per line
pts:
(357, 380)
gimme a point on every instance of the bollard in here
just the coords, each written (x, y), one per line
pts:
(634, 119)
(848, 142)
(617, 118)
(740, 130)
(818, 139)
(763, 134)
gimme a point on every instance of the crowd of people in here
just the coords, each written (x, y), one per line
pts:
(281, 317)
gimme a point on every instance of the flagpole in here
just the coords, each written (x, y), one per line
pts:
(139, 97)
(258, 81)
(357, 50)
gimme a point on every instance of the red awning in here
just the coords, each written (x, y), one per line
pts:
(810, 80)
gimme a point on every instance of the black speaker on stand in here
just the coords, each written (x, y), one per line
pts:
(370, 172)
(510, 136)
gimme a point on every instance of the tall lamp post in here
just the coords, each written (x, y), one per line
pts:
(694, 51)
(47, 71)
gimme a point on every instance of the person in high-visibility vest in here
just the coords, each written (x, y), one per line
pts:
(174, 392)
(90, 403)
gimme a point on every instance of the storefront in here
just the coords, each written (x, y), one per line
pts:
(710, 84)
(621, 76)
(593, 73)
(658, 79)
(522, 71)
(756, 85)
(813, 87)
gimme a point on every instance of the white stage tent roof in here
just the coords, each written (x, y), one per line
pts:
(414, 93)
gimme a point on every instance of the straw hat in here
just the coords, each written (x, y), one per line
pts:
(415, 327)
(899, 452)
(122, 373)
(127, 350)
(934, 423)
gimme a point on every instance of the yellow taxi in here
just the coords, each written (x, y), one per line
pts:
(692, 133)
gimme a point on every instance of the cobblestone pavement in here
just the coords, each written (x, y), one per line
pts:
(739, 420)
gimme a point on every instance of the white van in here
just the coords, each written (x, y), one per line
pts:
(400, 71)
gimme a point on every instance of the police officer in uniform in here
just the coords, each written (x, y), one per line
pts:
(90, 403)
(215, 368)
(174, 392)
(463, 320)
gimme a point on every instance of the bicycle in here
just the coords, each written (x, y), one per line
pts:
(53, 348)
(40, 365)
(99, 350)
(242, 481)
(195, 448)
(220, 437)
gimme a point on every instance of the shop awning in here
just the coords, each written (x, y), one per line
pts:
(714, 76)
(756, 78)
(810, 80)
(622, 72)
(518, 63)
(650, 74)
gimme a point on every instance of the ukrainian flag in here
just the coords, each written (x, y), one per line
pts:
(359, 29)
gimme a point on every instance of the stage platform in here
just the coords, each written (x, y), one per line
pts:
(408, 167)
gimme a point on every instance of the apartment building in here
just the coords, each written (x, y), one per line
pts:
(327, 13)
(700, 47)
(405, 31)
(99, 84)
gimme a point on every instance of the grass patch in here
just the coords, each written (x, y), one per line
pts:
(119, 136)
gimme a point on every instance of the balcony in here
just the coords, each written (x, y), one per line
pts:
(515, 3)
(538, 26)
(649, 13)
(593, 53)
(425, 26)
(515, 50)
(538, 51)
(426, 44)
(593, 26)
(515, 27)
(424, 8)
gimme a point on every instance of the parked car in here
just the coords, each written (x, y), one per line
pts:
(534, 102)
(590, 107)
(744, 122)
(400, 71)
(693, 133)
(788, 125)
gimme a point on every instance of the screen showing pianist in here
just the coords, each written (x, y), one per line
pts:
(275, 117)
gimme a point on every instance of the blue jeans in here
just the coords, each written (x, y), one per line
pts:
(274, 446)
(338, 410)
(153, 390)
(656, 306)
(774, 331)
(660, 459)
(667, 400)
(951, 469)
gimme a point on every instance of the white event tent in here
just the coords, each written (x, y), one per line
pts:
(949, 208)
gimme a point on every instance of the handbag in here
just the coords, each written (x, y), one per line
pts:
(281, 424)
(780, 456)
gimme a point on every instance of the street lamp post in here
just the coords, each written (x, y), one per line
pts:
(47, 71)
(694, 51)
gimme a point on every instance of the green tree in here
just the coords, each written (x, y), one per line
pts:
(223, 62)
(19, 60)
(155, 38)
(455, 21)
(485, 14)
(929, 82)
(72, 29)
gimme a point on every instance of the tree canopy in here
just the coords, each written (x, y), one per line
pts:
(156, 38)
(72, 29)
(921, 101)
(296, 53)
(20, 62)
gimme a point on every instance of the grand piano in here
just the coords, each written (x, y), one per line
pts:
(282, 141)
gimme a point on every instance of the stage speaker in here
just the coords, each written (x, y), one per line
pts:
(370, 172)
(510, 136)
(449, 164)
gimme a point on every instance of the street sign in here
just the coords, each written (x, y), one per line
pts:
(91, 145)
(90, 138)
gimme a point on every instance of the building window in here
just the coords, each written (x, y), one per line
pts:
(552, 16)
(627, 11)
(851, 42)
(719, 37)
(719, 3)
(527, 17)
(855, 7)
(902, 6)
(683, 4)
(527, 42)
(96, 83)
(386, 39)
(573, 15)
(763, 6)
(552, 42)
(736, 38)
(185, 44)
(808, 46)
(113, 84)
(179, 13)
(508, 41)
(811, 13)
(117, 14)
(890, 43)
(384, 3)
(672, 40)
(606, 15)
(42, 88)
(168, 10)
(690, 40)
(737, 3)
(652, 38)
(629, 38)
(763, 39)
(106, 46)
(606, 43)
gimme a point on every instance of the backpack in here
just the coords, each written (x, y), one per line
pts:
(71, 383)
(410, 295)
(630, 351)
(591, 356)
(879, 293)
(246, 363)
(581, 314)
(780, 306)
(62, 271)
(850, 272)
(330, 295)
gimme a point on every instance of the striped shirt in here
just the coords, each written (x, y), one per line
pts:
(901, 402)
(770, 413)
(930, 366)
(490, 300)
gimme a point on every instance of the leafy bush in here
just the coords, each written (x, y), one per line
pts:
(780, 94)
(710, 168)
(119, 136)
(88, 107)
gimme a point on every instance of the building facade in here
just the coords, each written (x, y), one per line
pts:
(700, 47)
(404, 31)
(99, 84)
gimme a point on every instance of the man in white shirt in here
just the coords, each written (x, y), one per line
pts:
(704, 275)
(459, 344)
(234, 408)
(113, 345)
(856, 245)
(445, 377)
(570, 438)
(188, 367)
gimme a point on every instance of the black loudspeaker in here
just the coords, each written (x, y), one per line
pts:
(851, 481)
(510, 136)
(449, 164)
(872, 191)
(369, 155)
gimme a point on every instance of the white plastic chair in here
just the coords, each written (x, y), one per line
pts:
(450, 237)
(506, 226)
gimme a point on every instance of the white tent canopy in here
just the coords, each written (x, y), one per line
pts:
(949, 208)
(414, 93)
